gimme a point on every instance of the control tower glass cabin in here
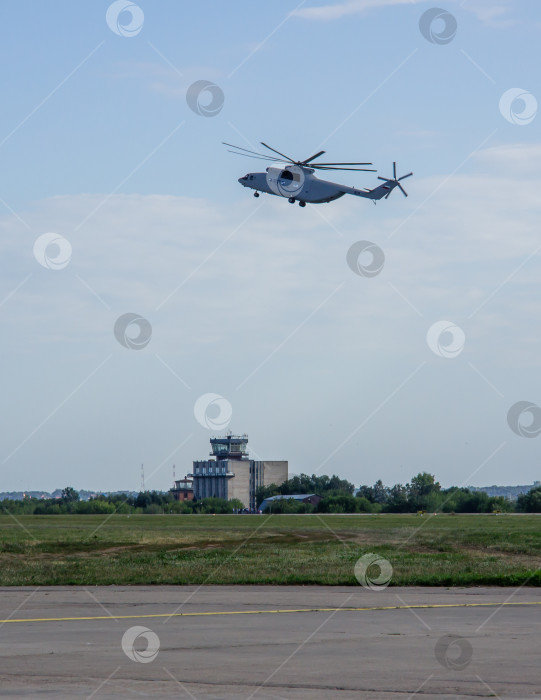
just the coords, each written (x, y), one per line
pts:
(229, 447)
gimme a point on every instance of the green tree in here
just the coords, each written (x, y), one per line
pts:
(530, 502)
(366, 492)
(263, 492)
(305, 484)
(214, 505)
(342, 503)
(380, 492)
(153, 509)
(398, 499)
(69, 495)
(283, 505)
(363, 505)
(420, 489)
(93, 507)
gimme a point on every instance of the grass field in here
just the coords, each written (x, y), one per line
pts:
(442, 550)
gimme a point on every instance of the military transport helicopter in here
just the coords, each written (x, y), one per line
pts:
(295, 179)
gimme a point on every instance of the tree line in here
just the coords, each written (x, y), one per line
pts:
(145, 502)
(422, 493)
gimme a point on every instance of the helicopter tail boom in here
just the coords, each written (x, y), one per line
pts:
(377, 193)
(383, 190)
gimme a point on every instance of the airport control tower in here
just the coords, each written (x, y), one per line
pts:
(232, 474)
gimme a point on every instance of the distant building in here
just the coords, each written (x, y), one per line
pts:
(232, 474)
(311, 498)
(183, 489)
(510, 492)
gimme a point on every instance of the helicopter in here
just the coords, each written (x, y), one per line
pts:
(296, 179)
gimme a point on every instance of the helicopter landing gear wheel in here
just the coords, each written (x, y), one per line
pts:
(291, 200)
(302, 204)
(256, 194)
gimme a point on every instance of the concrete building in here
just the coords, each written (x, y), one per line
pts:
(232, 474)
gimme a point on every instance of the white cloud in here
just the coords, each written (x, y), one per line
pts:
(495, 16)
(518, 159)
(486, 12)
(343, 9)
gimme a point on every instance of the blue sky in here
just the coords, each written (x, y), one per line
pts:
(252, 300)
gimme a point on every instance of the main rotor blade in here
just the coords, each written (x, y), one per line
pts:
(246, 151)
(343, 163)
(359, 170)
(280, 154)
(404, 176)
(267, 158)
(394, 170)
(320, 153)
(385, 179)
(242, 149)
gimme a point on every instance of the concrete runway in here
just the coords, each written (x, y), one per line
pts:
(307, 642)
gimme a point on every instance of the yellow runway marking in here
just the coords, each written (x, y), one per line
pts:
(272, 612)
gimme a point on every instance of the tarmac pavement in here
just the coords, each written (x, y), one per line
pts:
(269, 642)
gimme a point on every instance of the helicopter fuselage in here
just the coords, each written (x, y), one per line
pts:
(299, 184)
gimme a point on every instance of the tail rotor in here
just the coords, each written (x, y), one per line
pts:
(395, 182)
